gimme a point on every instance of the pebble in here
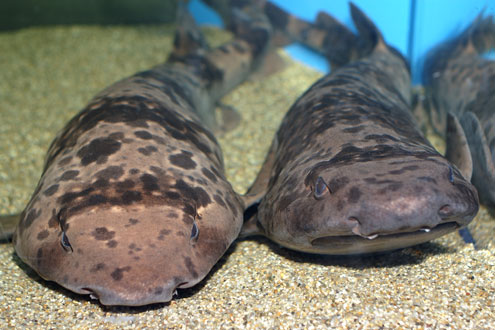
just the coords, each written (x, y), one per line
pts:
(48, 75)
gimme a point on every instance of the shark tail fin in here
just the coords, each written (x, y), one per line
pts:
(188, 37)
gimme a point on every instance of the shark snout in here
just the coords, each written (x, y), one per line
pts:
(410, 212)
(133, 296)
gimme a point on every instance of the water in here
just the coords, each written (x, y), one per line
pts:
(49, 73)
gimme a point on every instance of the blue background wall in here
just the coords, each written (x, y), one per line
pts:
(412, 26)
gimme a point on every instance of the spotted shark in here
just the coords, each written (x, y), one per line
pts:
(133, 202)
(349, 172)
(326, 35)
(460, 89)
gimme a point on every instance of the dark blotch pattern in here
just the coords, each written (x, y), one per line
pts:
(197, 194)
(190, 267)
(131, 196)
(219, 200)
(337, 183)
(209, 174)
(65, 161)
(163, 233)
(354, 195)
(118, 273)
(42, 235)
(103, 234)
(51, 190)
(148, 150)
(97, 267)
(145, 135)
(183, 160)
(112, 243)
(149, 181)
(29, 218)
(69, 175)
(98, 148)
(111, 172)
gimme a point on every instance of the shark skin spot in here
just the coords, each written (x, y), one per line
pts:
(131, 196)
(98, 151)
(101, 184)
(219, 200)
(183, 160)
(354, 195)
(338, 183)
(98, 267)
(116, 136)
(148, 150)
(65, 161)
(132, 222)
(172, 195)
(150, 182)
(163, 233)
(123, 186)
(118, 273)
(42, 235)
(69, 175)
(112, 243)
(172, 215)
(427, 179)
(209, 174)
(197, 194)
(103, 234)
(157, 170)
(27, 221)
(190, 267)
(143, 135)
(51, 190)
(110, 173)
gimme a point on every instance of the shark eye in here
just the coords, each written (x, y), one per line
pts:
(194, 232)
(451, 174)
(64, 241)
(321, 188)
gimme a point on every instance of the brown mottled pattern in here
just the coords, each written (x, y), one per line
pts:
(349, 171)
(458, 80)
(128, 207)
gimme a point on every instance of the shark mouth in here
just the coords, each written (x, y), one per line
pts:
(355, 244)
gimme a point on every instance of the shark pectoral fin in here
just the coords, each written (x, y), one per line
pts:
(250, 226)
(8, 223)
(230, 118)
(272, 63)
(260, 185)
(281, 39)
(255, 194)
(457, 147)
(483, 167)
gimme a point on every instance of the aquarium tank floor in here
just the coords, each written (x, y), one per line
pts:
(50, 73)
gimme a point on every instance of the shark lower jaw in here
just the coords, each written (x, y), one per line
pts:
(354, 244)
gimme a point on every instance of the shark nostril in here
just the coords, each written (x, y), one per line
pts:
(445, 211)
(356, 225)
(354, 219)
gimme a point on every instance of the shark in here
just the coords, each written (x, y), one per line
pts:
(460, 88)
(133, 202)
(349, 171)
